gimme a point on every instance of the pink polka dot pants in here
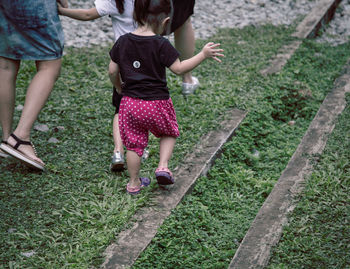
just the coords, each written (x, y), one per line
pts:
(138, 117)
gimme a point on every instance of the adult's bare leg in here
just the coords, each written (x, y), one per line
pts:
(37, 94)
(185, 44)
(8, 74)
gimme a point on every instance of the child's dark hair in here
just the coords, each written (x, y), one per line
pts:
(153, 12)
(120, 6)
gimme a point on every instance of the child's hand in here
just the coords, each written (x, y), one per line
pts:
(62, 3)
(210, 51)
(59, 8)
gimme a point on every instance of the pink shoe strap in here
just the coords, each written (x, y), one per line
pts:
(132, 189)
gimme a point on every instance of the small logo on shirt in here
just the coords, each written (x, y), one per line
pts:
(136, 64)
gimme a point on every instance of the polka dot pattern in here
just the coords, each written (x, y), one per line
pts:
(138, 117)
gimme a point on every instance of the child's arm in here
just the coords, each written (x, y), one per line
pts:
(63, 3)
(79, 14)
(209, 51)
(114, 75)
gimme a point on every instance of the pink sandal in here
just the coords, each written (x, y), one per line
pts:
(136, 190)
(164, 176)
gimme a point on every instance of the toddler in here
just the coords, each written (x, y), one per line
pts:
(140, 58)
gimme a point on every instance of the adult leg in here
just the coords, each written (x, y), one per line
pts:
(37, 93)
(185, 44)
(8, 74)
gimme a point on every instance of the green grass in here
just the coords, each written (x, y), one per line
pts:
(317, 235)
(205, 230)
(72, 212)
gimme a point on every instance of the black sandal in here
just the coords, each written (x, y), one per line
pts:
(18, 154)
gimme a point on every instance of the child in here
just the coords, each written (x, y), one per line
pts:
(141, 58)
(120, 12)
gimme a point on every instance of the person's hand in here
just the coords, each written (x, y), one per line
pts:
(59, 8)
(210, 51)
(62, 3)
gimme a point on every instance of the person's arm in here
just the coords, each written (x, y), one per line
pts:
(114, 75)
(79, 14)
(63, 3)
(209, 51)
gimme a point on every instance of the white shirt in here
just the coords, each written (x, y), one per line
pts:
(121, 23)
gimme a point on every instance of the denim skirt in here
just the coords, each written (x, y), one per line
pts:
(30, 30)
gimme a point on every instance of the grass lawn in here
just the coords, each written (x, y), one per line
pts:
(207, 228)
(317, 235)
(66, 216)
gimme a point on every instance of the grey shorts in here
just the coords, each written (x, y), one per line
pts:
(30, 30)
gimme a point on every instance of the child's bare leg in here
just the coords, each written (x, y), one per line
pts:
(166, 147)
(118, 144)
(134, 164)
(185, 44)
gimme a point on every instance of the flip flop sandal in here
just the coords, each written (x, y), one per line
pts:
(19, 155)
(2, 153)
(136, 190)
(164, 176)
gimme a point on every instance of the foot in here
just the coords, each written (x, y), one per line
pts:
(117, 163)
(144, 182)
(164, 176)
(27, 150)
(190, 88)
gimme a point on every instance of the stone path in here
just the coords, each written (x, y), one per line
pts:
(209, 15)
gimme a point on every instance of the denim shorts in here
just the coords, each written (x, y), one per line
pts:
(30, 30)
(182, 11)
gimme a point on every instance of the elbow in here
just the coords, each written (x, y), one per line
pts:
(177, 71)
(87, 17)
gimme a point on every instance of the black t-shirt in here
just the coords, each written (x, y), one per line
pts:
(142, 61)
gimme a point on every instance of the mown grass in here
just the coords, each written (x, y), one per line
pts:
(317, 235)
(68, 215)
(205, 230)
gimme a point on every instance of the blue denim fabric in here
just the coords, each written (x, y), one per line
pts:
(30, 30)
